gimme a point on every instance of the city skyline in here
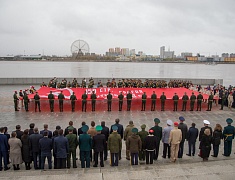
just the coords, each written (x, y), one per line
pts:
(46, 27)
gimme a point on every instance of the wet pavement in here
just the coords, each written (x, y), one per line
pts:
(185, 168)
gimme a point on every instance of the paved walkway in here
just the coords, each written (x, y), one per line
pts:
(186, 168)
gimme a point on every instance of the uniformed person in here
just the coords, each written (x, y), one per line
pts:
(228, 135)
(61, 101)
(26, 101)
(129, 99)
(16, 100)
(37, 102)
(158, 133)
(199, 101)
(109, 98)
(73, 143)
(21, 95)
(73, 98)
(143, 134)
(210, 100)
(153, 99)
(163, 100)
(192, 101)
(175, 100)
(93, 100)
(184, 99)
(84, 101)
(144, 98)
(51, 98)
(120, 97)
(223, 100)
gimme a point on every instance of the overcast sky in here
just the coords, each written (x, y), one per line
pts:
(202, 26)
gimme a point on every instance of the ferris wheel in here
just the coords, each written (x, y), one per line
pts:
(80, 47)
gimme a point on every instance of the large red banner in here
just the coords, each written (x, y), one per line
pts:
(101, 93)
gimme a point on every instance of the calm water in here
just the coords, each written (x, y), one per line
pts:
(46, 69)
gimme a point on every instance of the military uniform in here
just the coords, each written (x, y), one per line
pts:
(51, 98)
(176, 100)
(163, 99)
(144, 98)
(158, 134)
(192, 101)
(16, 100)
(73, 98)
(84, 102)
(109, 98)
(120, 97)
(210, 100)
(199, 102)
(143, 134)
(37, 102)
(228, 135)
(153, 99)
(73, 143)
(223, 100)
(184, 99)
(129, 99)
(93, 101)
(26, 101)
(61, 101)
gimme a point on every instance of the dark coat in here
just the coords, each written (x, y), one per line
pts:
(49, 133)
(157, 132)
(120, 129)
(19, 133)
(192, 134)
(105, 131)
(150, 142)
(73, 141)
(202, 131)
(31, 131)
(45, 145)
(99, 142)
(26, 156)
(217, 136)
(66, 131)
(61, 147)
(184, 129)
(205, 145)
(85, 142)
(3, 143)
(133, 143)
(80, 131)
(34, 142)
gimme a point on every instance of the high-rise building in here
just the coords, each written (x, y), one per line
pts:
(225, 55)
(111, 50)
(186, 54)
(232, 55)
(117, 50)
(125, 52)
(162, 50)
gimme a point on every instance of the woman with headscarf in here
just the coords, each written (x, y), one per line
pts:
(206, 145)
(217, 136)
(26, 149)
(15, 151)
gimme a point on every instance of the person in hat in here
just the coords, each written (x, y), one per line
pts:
(185, 99)
(157, 132)
(66, 131)
(192, 101)
(93, 100)
(230, 100)
(16, 100)
(134, 145)
(176, 100)
(143, 134)
(174, 141)
(165, 139)
(119, 131)
(184, 129)
(150, 143)
(192, 138)
(199, 101)
(26, 102)
(144, 98)
(228, 135)
(205, 145)
(153, 101)
(109, 98)
(98, 145)
(163, 100)
(85, 145)
(114, 145)
(128, 132)
(120, 101)
(61, 101)
(73, 99)
(129, 99)
(37, 102)
(223, 100)
(51, 98)
(84, 101)
(73, 143)
(210, 100)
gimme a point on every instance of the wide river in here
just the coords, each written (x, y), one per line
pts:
(46, 69)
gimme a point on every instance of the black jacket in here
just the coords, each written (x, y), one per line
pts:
(34, 142)
(184, 129)
(120, 129)
(192, 134)
(217, 136)
(80, 131)
(105, 131)
(66, 131)
(202, 131)
(19, 133)
(99, 142)
(150, 143)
